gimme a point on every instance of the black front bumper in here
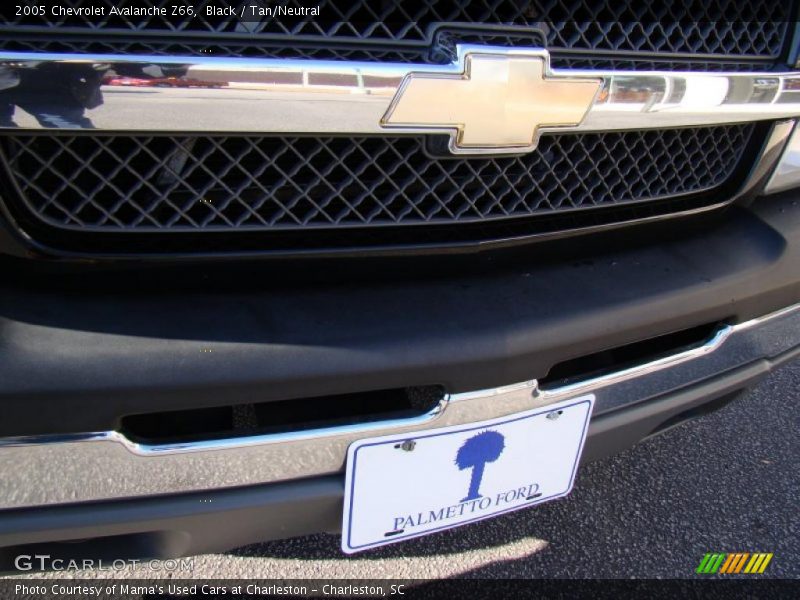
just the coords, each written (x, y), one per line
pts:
(81, 351)
(166, 527)
(77, 361)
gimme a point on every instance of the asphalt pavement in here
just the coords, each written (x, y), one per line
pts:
(729, 482)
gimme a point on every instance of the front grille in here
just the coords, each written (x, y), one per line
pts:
(209, 194)
(699, 27)
(112, 184)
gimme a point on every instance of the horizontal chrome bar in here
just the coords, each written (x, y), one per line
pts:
(42, 470)
(214, 94)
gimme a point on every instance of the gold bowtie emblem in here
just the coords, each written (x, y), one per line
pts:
(499, 103)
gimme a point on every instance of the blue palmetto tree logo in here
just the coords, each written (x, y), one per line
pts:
(474, 453)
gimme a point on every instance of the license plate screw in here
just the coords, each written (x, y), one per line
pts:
(554, 415)
(408, 445)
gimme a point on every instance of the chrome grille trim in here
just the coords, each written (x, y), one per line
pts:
(351, 97)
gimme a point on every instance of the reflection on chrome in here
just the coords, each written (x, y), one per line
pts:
(686, 91)
(215, 94)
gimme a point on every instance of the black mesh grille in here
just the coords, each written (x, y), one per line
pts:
(562, 62)
(166, 184)
(717, 27)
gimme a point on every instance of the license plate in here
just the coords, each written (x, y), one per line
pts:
(399, 487)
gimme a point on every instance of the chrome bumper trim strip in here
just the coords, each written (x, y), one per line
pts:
(219, 95)
(41, 470)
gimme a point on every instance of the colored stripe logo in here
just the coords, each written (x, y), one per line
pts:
(734, 563)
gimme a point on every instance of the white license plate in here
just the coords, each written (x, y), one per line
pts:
(403, 486)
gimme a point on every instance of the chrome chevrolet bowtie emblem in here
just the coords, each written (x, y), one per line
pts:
(498, 103)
